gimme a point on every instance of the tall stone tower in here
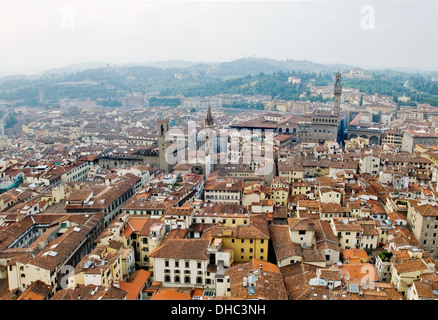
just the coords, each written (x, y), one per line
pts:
(338, 93)
(163, 128)
(209, 133)
(209, 142)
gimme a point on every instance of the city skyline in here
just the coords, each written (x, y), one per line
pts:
(240, 152)
(220, 197)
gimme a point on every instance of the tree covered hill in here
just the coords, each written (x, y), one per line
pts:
(246, 76)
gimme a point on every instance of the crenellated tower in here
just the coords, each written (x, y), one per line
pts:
(338, 93)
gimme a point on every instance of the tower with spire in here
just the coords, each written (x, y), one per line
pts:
(338, 93)
(209, 119)
(209, 141)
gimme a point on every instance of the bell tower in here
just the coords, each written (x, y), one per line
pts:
(209, 133)
(338, 93)
(210, 142)
(209, 119)
(163, 128)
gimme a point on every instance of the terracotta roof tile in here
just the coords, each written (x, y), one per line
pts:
(136, 282)
(183, 249)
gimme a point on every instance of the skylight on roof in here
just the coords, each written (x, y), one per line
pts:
(354, 288)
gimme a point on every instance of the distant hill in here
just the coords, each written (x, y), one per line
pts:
(76, 67)
(169, 64)
(235, 68)
(246, 76)
(252, 66)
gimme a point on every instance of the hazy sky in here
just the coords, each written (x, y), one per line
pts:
(40, 34)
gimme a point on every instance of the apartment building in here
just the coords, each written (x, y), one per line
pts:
(181, 262)
(413, 137)
(228, 191)
(405, 272)
(302, 231)
(103, 198)
(248, 241)
(55, 249)
(98, 268)
(422, 219)
(255, 279)
(354, 233)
